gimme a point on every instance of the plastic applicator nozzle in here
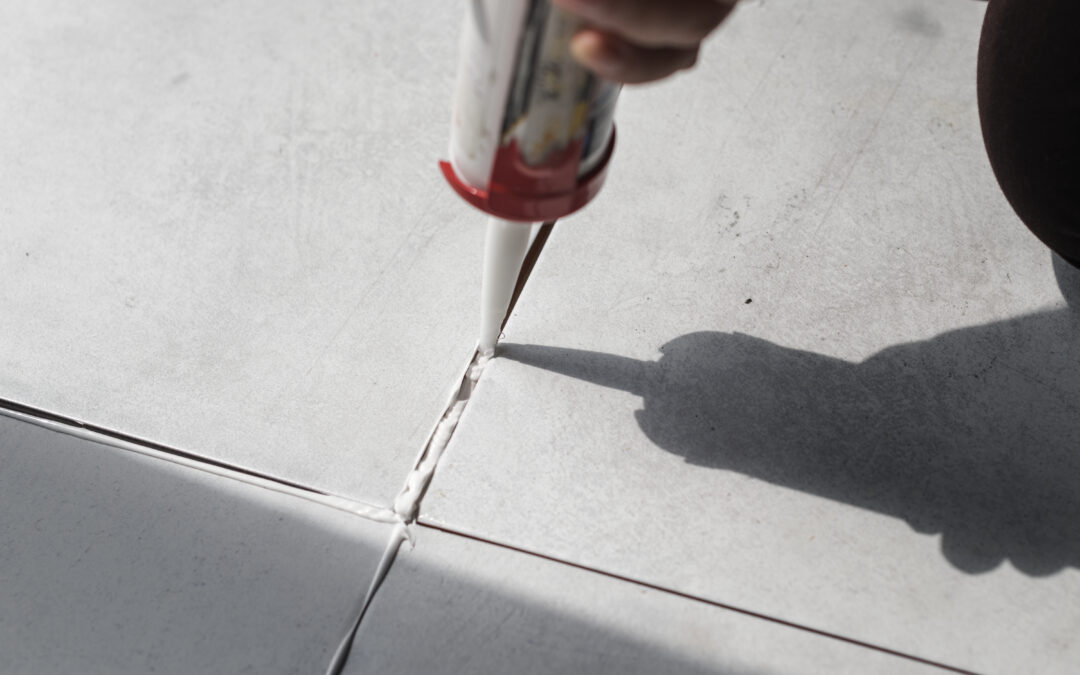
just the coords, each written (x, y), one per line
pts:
(505, 246)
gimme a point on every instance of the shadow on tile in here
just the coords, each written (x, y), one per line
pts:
(450, 625)
(456, 605)
(111, 562)
(974, 434)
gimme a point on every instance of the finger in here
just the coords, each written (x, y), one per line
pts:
(672, 23)
(620, 61)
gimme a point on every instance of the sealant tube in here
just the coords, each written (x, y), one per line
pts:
(532, 131)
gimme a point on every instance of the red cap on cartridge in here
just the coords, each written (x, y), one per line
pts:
(527, 193)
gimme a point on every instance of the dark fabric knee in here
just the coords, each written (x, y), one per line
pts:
(1029, 105)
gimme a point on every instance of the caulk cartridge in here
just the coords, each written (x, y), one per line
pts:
(533, 130)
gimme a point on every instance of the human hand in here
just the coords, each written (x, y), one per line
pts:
(635, 41)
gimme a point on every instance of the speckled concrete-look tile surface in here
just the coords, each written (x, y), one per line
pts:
(115, 562)
(800, 357)
(490, 610)
(223, 229)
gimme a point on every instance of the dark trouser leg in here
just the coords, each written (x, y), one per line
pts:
(1029, 104)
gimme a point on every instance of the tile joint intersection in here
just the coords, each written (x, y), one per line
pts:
(406, 506)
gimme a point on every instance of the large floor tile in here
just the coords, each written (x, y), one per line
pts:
(115, 562)
(454, 605)
(800, 356)
(223, 228)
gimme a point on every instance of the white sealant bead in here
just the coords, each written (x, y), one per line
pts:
(407, 503)
(474, 372)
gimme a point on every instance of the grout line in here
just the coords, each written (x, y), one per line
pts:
(344, 648)
(407, 503)
(128, 443)
(687, 596)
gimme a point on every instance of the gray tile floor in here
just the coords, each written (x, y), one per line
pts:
(796, 394)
